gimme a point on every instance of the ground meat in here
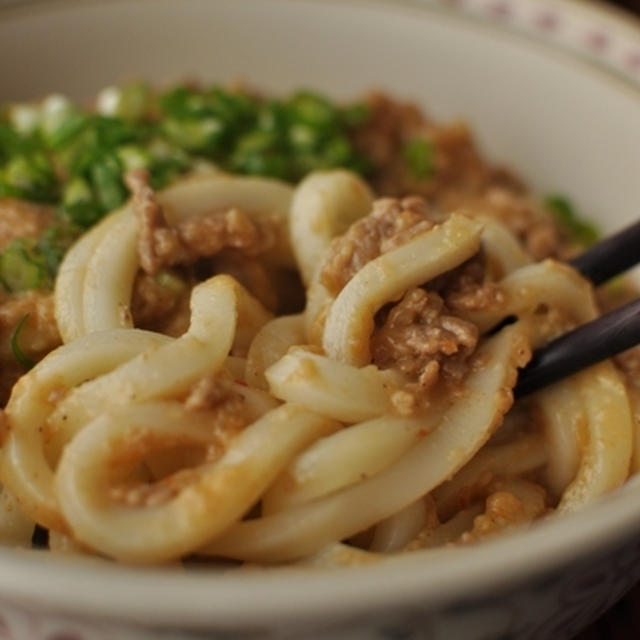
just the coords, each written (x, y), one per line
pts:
(213, 391)
(458, 171)
(158, 243)
(156, 307)
(420, 338)
(508, 504)
(465, 288)
(459, 177)
(250, 272)
(39, 334)
(209, 234)
(391, 223)
(20, 219)
(149, 495)
(535, 229)
(161, 245)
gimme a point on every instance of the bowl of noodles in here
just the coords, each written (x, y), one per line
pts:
(269, 273)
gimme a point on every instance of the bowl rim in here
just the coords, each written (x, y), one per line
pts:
(254, 597)
(133, 594)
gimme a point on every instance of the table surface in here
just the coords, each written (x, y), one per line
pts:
(622, 621)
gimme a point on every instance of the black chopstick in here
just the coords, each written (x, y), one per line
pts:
(600, 339)
(610, 256)
(590, 343)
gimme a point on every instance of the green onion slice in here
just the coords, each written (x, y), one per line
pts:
(25, 361)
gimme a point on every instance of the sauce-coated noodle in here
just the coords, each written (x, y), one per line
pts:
(377, 419)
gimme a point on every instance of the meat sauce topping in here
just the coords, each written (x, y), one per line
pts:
(394, 144)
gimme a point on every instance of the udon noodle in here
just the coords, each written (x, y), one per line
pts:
(378, 419)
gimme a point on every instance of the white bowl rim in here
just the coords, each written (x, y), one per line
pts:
(31, 578)
(425, 579)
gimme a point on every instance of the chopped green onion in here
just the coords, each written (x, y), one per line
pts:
(418, 156)
(194, 135)
(261, 164)
(580, 231)
(79, 204)
(24, 118)
(129, 102)
(66, 129)
(57, 152)
(236, 110)
(183, 103)
(336, 152)
(167, 161)
(304, 138)
(133, 157)
(25, 361)
(313, 109)
(107, 181)
(54, 243)
(135, 100)
(356, 115)
(55, 109)
(112, 132)
(272, 117)
(20, 269)
(30, 177)
(257, 142)
(77, 193)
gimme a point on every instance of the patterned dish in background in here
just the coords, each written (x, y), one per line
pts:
(522, 72)
(591, 30)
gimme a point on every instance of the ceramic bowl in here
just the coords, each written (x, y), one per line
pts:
(551, 89)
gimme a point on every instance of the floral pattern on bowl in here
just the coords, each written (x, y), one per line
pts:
(586, 30)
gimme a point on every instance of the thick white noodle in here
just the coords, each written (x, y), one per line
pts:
(449, 531)
(395, 532)
(346, 458)
(269, 345)
(606, 455)
(117, 367)
(93, 288)
(338, 390)
(16, 527)
(169, 371)
(386, 278)
(338, 554)
(69, 289)
(549, 283)
(523, 455)
(264, 199)
(504, 252)
(25, 469)
(63, 543)
(466, 426)
(101, 449)
(324, 206)
(565, 426)
(212, 497)
(634, 396)
(109, 276)
(602, 393)
(319, 301)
